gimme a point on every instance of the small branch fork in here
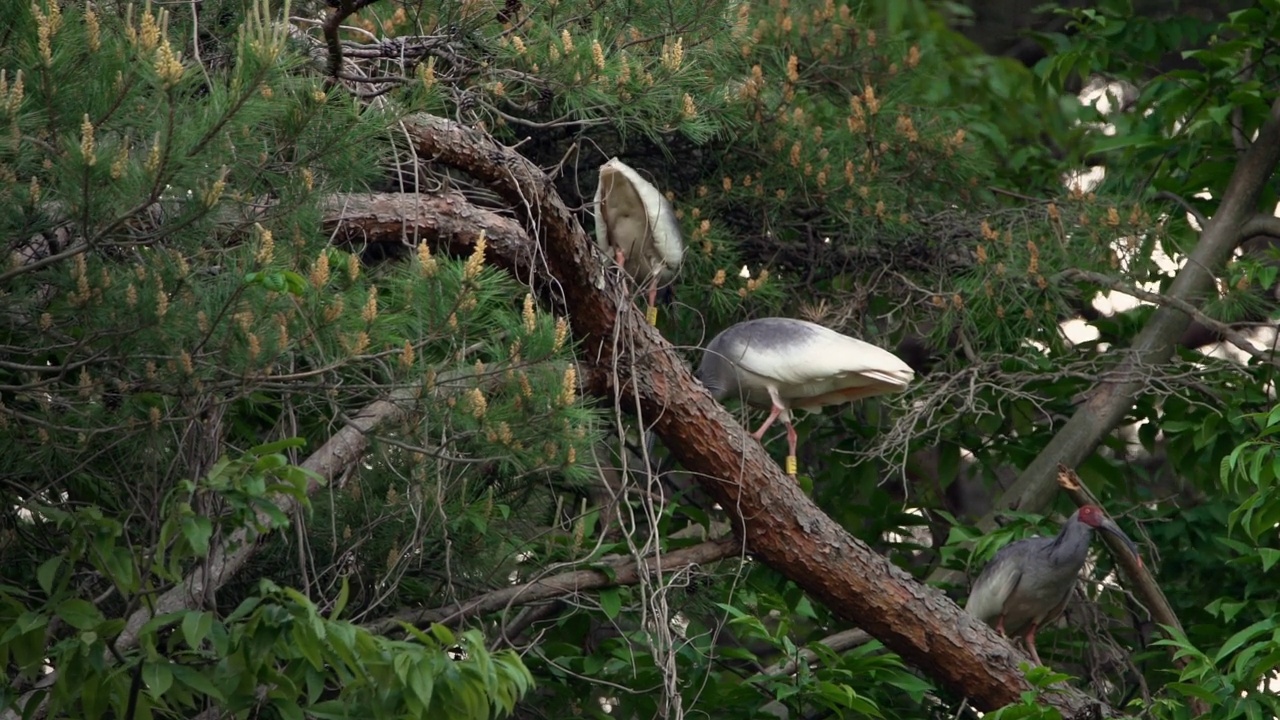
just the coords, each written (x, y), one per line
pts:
(1232, 335)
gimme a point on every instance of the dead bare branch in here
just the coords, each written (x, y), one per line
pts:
(1142, 582)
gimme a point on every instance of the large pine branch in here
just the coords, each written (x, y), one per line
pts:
(631, 362)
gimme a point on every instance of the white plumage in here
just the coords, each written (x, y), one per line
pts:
(636, 222)
(783, 363)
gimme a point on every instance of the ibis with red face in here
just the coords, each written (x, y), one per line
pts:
(1027, 583)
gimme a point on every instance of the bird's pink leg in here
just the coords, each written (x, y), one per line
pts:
(774, 412)
(1000, 626)
(651, 314)
(619, 256)
(1031, 644)
(778, 408)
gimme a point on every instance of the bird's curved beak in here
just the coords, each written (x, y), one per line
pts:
(1109, 526)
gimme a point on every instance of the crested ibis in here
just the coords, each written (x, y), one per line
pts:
(782, 363)
(639, 225)
(1028, 582)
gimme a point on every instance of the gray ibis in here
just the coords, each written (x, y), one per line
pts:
(635, 221)
(1028, 582)
(782, 363)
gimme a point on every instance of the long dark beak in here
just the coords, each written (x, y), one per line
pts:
(1108, 525)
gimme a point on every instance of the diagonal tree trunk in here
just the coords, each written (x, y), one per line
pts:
(1107, 404)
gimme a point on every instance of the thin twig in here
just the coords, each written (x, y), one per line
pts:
(1228, 332)
(1195, 213)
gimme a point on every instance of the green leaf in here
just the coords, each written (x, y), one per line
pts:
(1197, 691)
(195, 628)
(330, 710)
(611, 602)
(197, 682)
(344, 594)
(288, 708)
(307, 644)
(278, 446)
(296, 283)
(443, 634)
(197, 530)
(48, 573)
(79, 614)
(159, 678)
(26, 622)
(1236, 641)
(422, 684)
(118, 562)
(1269, 557)
(1104, 143)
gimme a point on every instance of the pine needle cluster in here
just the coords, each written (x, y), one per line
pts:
(173, 297)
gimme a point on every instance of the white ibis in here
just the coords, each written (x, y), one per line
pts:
(639, 225)
(782, 363)
(1028, 582)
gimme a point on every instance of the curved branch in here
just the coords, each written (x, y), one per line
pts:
(1223, 329)
(1201, 221)
(623, 571)
(1260, 224)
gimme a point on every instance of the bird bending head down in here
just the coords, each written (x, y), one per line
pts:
(638, 224)
(783, 363)
(1028, 582)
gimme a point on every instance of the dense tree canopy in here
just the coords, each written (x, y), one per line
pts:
(318, 399)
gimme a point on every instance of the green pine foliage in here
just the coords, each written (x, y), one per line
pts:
(174, 304)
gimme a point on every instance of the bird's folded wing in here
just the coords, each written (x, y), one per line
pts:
(817, 357)
(996, 583)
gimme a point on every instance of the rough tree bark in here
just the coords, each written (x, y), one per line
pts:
(628, 360)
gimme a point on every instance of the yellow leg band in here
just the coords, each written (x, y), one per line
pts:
(791, 465)
(652, 315)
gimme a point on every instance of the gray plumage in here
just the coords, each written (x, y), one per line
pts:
(1028, 582)
(783, 363)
